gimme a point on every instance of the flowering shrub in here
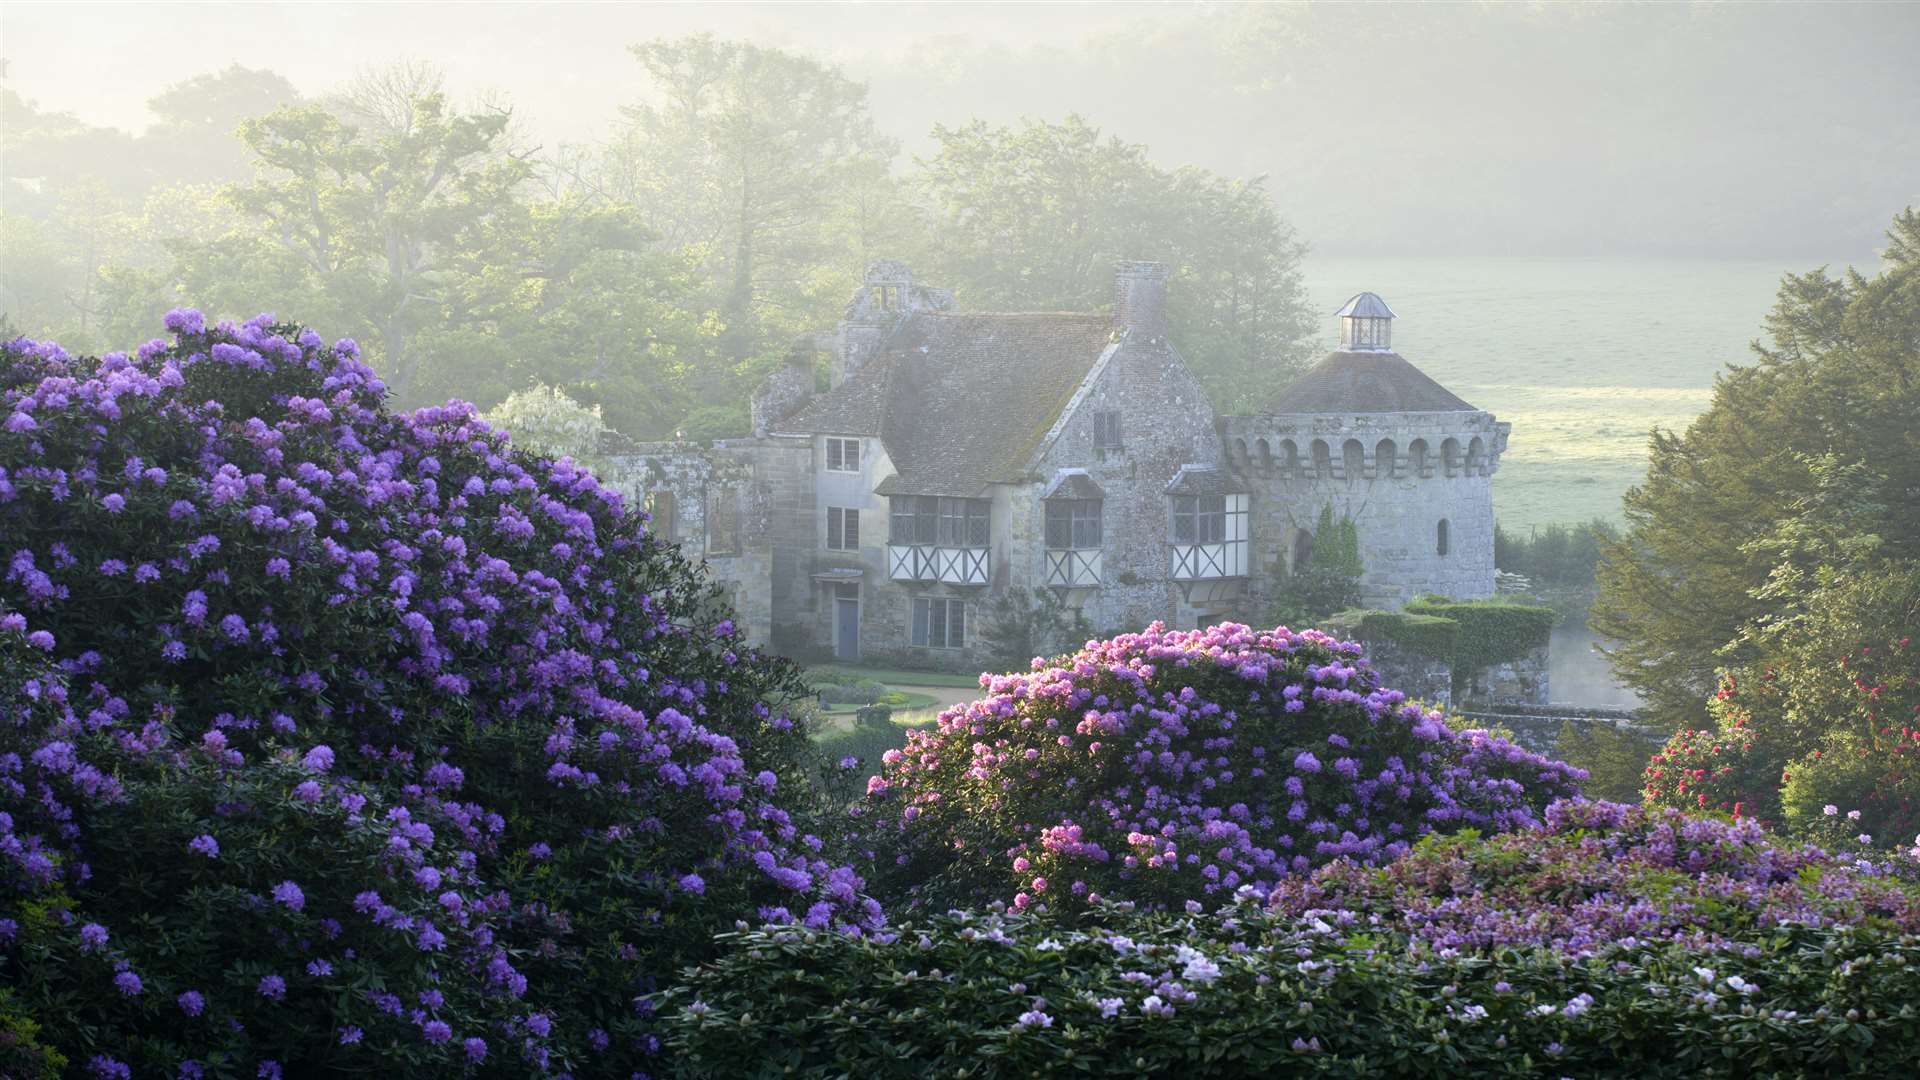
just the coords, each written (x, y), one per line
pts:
(356, 740)
(1612, 942)
(1171, 767)
(1854, 787)
(1730, 769)
(545, 420)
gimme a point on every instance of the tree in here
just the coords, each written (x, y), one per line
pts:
(758, 159)
(1035, 217)
(196, 137)
(1841, 377)
(371, 196)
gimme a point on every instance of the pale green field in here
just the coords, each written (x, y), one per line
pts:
(1583, 356)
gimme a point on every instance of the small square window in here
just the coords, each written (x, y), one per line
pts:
(1106, 429)
(843, 529)
(843, 455)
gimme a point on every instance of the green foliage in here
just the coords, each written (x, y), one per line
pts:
(1329, 582)
(1490, 631)
(1033, 218)
(1615, 758)
(1555, 556)
(1025, 623)
(547, 422)
(961, 995)
(1839, 379)
(1731, 768)
(766, 164)
(1427, 635)
(1876, 780)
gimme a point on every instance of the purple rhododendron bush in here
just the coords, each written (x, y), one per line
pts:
(1174, 768)
(335, 739)
(1610, 941)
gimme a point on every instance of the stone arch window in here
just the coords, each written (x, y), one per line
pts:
(1417, 458)
(1239, 453)
(1265, 452)
(1476, 456)
(1450, 456)
(1289, 458)
(1354, 457)
(1386, 458)
(1442, 543)
(1301, 556)
(1322, 459)
(659, 507)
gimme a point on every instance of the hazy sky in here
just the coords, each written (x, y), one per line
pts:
(1710, 129)
(565, 65)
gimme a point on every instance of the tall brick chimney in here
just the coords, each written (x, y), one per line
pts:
(1140, 300)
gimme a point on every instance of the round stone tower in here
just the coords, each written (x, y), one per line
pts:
(1366, 436)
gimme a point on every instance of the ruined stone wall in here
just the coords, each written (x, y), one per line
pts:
(1367, 467)
(721, 518)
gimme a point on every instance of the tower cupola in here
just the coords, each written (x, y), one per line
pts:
(1366, 324)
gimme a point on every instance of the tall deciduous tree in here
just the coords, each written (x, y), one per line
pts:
(1839, 383)
(1035, 216)
(373, 195)
(764, 162)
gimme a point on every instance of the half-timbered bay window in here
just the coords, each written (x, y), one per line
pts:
(1209, 527)
(939, 623)
(937, 538)
(1073, 541)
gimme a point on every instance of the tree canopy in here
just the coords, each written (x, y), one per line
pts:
(1839, 383)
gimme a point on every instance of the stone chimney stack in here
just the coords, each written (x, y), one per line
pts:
(1140, 300)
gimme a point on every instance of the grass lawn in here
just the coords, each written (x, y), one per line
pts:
(893, 676)
(907, 701)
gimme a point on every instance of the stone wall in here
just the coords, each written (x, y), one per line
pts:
(1370, 467)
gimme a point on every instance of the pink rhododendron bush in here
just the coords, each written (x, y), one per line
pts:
(1176, 768)
(335, 739)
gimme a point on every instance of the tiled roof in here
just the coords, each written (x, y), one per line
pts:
(962, 400)
(1365, 382)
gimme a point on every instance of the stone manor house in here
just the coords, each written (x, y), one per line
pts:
(956, 455)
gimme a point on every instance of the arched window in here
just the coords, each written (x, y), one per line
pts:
(1417, 457)
(1354, 457)
(1476, 456)
(1239, 453)
(1442, 544)
(1322, 459)
(1385, 458)
(1265, 453)
(1289, 458)
(1450, 456)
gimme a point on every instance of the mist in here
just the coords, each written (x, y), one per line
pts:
(1671, 129)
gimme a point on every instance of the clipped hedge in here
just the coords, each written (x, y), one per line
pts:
(1613, 942)
(1490, 631)
(1426, 635)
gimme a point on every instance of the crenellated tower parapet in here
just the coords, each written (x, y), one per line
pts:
(1366, 436)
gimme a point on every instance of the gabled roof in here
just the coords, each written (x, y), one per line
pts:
(1365, 382)
(962, 400)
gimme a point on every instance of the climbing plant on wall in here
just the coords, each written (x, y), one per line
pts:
(1329, 582)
